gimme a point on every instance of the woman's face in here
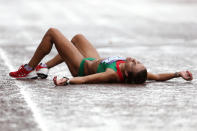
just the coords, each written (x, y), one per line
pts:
(132, 65)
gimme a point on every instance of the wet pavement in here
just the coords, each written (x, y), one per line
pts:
(160, 33)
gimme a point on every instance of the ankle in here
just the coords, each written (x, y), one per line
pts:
(28, 68)
(44, 65)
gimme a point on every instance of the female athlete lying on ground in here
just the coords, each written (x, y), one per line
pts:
(85, 64)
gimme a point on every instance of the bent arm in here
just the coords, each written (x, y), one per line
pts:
(167, 76)
(103, 77)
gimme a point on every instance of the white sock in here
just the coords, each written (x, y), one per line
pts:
(27, 67)
(44, 65)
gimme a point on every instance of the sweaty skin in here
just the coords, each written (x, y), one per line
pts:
(90, 69)
(73, 52)
(130, 65)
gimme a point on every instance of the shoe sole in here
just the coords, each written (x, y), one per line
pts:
(42, 76)
(26, 78)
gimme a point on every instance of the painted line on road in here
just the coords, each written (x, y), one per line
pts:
(36, 113)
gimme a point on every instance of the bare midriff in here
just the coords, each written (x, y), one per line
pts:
(90, 67)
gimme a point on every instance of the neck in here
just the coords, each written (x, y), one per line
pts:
(122, 69)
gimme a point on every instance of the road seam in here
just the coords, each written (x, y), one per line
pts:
(36, 113)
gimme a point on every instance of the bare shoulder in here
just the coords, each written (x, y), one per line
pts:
(112, 75)
(151, 76)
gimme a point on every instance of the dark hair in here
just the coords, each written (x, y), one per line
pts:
(137, 78)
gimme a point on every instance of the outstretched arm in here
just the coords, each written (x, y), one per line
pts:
(167, 76)
(103, 77)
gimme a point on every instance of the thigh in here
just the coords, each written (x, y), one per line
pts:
(68, 52)
(84, 46)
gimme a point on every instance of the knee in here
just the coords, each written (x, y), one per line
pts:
(51, 31)
(77, 38)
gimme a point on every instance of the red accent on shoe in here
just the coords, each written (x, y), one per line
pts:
(38, 67)
(42, 71)
(21, 73)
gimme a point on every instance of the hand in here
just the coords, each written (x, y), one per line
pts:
(60, 82)
(187, 75)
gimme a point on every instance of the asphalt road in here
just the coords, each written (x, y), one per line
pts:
(159, 33)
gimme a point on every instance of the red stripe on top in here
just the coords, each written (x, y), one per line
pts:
(118, 69)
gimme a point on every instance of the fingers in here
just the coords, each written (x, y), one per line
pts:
(190, 75)
(187, 75)
(55, 80)
(60, 82)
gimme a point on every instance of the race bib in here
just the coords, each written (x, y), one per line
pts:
(112, 59)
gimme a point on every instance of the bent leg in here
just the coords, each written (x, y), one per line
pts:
(82, 44)
(54, 61)
(68, 52)
(42, 50)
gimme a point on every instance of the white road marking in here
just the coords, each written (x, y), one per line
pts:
(39, 119)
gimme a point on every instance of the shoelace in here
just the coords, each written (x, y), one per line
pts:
(20, 71)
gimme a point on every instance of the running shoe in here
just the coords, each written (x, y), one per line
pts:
(42, 71)
(22, 73)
